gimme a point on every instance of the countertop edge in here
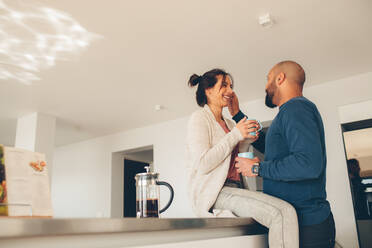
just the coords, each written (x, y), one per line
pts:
(26, 227)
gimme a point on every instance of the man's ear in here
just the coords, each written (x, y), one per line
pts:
(280, 79)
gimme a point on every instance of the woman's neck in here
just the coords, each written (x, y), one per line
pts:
(217, 112)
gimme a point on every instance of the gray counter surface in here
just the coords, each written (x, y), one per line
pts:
(36, 227)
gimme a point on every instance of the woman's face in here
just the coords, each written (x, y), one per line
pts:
(220, 94)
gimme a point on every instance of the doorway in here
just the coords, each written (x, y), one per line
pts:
(131, 168)
(124, 165)
(135, 161)
(357, 138)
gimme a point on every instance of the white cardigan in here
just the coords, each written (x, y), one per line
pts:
(209, 150)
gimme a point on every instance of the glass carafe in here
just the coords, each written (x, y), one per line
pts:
(148, 195)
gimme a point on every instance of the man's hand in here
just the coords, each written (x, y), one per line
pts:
(233, 104)
(244, 166)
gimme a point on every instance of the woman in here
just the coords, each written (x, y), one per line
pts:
(213, 143)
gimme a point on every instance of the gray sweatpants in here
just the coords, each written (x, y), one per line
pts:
(277, 215)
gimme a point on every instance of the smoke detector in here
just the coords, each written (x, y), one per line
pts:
(266, 20)
(158, 107)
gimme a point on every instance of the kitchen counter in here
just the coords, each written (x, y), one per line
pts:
(26, 227)
(127, 232)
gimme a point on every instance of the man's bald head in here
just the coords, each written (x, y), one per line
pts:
(284, 81)
(292, 70)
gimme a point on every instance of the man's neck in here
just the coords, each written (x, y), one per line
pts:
(217, 112)
(290, 96)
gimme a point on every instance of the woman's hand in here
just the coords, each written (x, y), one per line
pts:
(233, 104)
(246, 127)
(255, 137)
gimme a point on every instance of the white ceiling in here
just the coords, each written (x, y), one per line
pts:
(358, 143)
(150, 48)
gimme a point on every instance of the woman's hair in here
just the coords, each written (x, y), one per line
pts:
(206, 81)
(353, 167)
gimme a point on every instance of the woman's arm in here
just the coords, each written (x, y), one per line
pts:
(204, 156)
(237, 114)
(259, 144)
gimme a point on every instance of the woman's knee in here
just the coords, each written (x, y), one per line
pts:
(289, 210)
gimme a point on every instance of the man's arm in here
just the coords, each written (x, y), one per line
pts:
(259, 144)
(305, 159)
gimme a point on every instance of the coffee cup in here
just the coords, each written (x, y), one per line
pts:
(249, 155)
(259, 129)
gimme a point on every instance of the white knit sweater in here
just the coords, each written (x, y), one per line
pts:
(209, 153)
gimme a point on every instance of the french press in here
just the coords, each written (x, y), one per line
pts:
(148, 195)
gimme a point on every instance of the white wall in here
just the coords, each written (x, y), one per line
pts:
(355, 112)
(82, 173)
(8, 131)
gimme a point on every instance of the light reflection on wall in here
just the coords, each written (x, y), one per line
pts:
(33, 38)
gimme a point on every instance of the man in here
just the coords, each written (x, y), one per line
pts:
(294, 168)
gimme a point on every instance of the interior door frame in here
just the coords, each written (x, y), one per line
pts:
(347, 127)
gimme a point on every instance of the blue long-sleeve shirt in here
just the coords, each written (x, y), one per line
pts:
(294, 168)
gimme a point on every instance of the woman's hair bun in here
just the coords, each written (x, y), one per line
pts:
(195, 80)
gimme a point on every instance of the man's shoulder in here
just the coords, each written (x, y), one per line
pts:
(304, 101)
(299, 101)
(298, 105)
(297, 110)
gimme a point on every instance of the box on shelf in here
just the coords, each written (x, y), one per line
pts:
(24, 183)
